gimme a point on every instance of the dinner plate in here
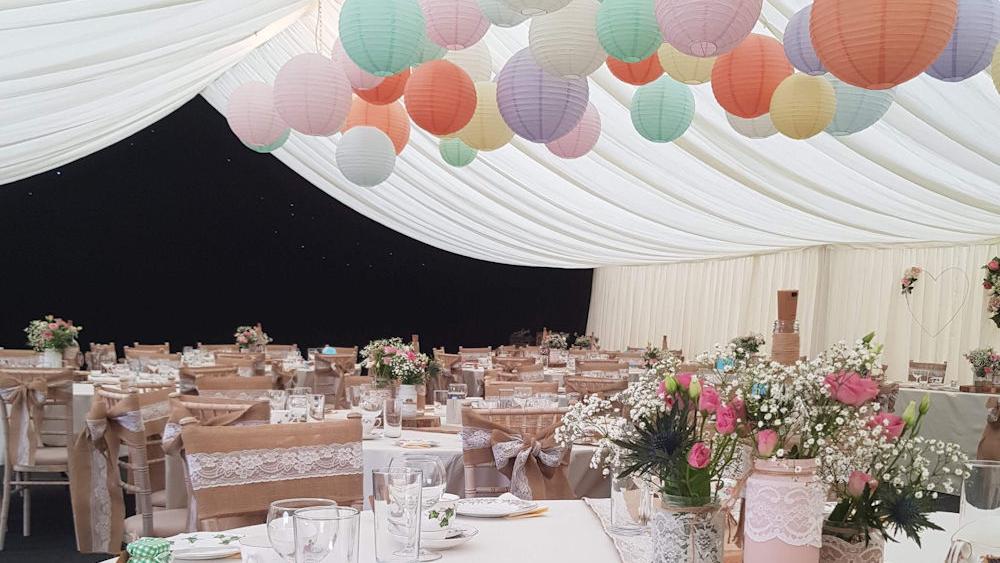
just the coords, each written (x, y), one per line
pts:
(500, 507)
(467, 533)
(204, 545)
(204, 553)
(416, 444)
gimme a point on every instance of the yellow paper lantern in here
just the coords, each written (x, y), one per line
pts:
(683, 67)
(995, 68)
(487, 130)
(803, 106)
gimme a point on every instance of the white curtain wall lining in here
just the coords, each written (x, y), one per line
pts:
(845, 292)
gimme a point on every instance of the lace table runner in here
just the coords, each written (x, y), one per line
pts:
(631, 549)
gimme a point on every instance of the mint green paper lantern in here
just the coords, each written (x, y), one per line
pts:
(383, 37)
(430, 51)
(271, 147)
(628, 30)
(662, 110)
(457, 153)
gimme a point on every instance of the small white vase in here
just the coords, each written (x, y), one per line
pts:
(408, 395)
(52, 358)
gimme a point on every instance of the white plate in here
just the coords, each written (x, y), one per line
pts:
(204, 553)
(437, 545)
(499, 507)
(204, 545)
(416, 444)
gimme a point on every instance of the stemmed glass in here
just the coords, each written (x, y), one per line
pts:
(281, 526)
(435, 479)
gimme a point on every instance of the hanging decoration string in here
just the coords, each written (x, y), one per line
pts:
(319, 27)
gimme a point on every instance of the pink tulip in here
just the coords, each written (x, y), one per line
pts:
(850, 388)
(699, 455)
(684, 379)
(857, 481)
(725, 420)
(708, 401)
(767, 441)
(891, 424)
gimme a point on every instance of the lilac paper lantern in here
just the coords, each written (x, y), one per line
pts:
(976, 34)
(581, 138)
(312, 95)
(358, 77)
(253, 119)
(539, 106)
(798, 45)
(454, 24)
(702, 28)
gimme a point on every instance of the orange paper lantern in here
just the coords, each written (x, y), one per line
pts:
(391, 119)
(878, 44)
(744, 79)
(440, 97)
(642, 72)
(388, 91)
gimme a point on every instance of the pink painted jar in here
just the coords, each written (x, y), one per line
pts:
(784, 512)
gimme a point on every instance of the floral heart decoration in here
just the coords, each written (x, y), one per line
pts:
(909, 280)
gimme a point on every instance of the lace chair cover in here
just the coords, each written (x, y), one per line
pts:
(233, 348)
(516, 364)
(604, 388)
(604, 366)
(328, 373)
(237, 471)
(18, 358)
(189, 376)
(474, 353)
(248, 364)
(100, 354)
(235, 387)
(350, 381)
(24, 393)
(493, 388)
(158, 348)
(989, 444)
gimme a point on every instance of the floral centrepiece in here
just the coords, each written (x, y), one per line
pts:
(390, 360)
(738, 353)
(910, 277)
(52, 333)
(555, 341)
(248, 337)
(991, 280)
(583, 342)
(985, 364)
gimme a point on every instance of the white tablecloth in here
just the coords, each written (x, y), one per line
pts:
(954, 416)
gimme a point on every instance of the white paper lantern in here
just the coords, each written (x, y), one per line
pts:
(531, 8)
(366, 156)
(759, 127)
(312, 95)
(476, 61)
(500, 13)
(565, 43)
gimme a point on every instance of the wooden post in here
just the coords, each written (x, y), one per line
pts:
(415, 342)
(785, 339)
(664, 346)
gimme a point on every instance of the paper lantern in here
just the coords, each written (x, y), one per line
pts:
(995, 68)
(565, 42)
(581, 138)
(358, 78)
(500, 13)
(365, 156)
(253, 119)
(662, 111)
(312, 94)
(456, 153)
(880, 44)
(430, 51)
(976, 34)
(759, 127)
(642, 72)
(531, 8)
(703, 28)
(388, 91)
(537, 105)
(476, 61)
(802, 106)
(440, 97)
(683, 67)
(391, 119)
(486, 131)
(744, 78)
(383, 37)
(798, 44)
(454, 24)
(628, 30)
(857, 108)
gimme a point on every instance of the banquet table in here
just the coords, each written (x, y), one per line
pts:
(955, 416)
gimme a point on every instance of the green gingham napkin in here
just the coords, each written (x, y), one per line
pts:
(149, 550)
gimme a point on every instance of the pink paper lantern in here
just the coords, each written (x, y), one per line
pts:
(581, 139)
(312, 95)
(703, 28)
(454, 24)
(358, 77)
(252, 117)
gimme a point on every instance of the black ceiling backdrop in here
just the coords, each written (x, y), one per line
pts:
(179, 233)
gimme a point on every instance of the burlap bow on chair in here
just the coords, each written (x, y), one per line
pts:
(25, 392)
(531, 465)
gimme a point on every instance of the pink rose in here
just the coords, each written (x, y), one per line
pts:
(725, 420)
(905, 282)
(891, 424)
(987, 285)
(708, 401)
(988, 370)
(53, 326)
(739, 409)
(241, 339)
(767, 441)
(699, 455)
(993, 265)
(850, 388)
(857, 481)
(684, 379)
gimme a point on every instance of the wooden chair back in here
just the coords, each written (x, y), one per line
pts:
(602, 387)
(494, 388)
(927, 371)
(18, 358)
(160, 348)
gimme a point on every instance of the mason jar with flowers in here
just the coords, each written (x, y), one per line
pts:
(251, 338)
(397, 366)
(52, 336)
(985, 365)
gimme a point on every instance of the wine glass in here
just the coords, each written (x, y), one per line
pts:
(435, 479)
(281, 526)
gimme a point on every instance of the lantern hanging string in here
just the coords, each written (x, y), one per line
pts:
(319, 27)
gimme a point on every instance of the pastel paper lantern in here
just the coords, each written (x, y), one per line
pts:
(440, 97)
(642, 72)
(454, 24)
(312, 94)
(976, 34)
(456, 153)
(565, 43)
(358, 78)
(744, 79)
(759, 127)
(500, 13)
(683, 67)
(391, 119)
(388, 91)
(537, 105)
(476, 61)
(581, 139)
(430, 51)
(803, 106)
(857, 108)
(880, 44)
(251, 115)
(663, 110)
(995, 68)
(798, 44)
(628, 30)
(365, 156)
(706, 28)
(530, 8)
(383, 37)
(486, 131)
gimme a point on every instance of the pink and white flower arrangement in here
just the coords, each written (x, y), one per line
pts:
(985, 363)
(556, 341)
(250, 337)
(910, 277)
(52, 333)
(991, 283)
(389, 359)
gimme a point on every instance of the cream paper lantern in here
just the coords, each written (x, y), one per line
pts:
(366, 156)
(803, 106)
(486, 131)
(476, 61)
(530, 8)
(500, 13)
(565, 43)
(995, 68)
(683, 67)
(759, 127)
